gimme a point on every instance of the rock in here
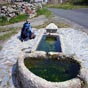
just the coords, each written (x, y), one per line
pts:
(2, 14)
(3, 11)
(19, 8)
(51, 28)
(4, 7)
(10, 10)
(14, 6)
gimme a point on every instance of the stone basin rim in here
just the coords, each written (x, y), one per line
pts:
(23, 74)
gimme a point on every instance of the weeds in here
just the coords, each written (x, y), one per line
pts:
(66, 6)
(44, 11)
(8, 35)
(59, 24)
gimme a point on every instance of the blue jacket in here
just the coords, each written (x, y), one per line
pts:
(26, 31)
(27, 26)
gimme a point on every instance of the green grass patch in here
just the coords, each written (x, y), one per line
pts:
(41, 26)
(44, 11)
(3, 20)
(6, 29)
(66, 6)
(18, 18)
(0, 47)
(9, 29)
(8, 35)
(59, 24)
(62, 25)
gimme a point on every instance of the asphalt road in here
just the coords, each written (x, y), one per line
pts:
(79, 16)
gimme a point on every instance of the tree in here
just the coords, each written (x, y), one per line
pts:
(27, 0)
(78, 1)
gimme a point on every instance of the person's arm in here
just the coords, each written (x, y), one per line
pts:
(31, 29)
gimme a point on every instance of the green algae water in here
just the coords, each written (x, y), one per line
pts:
(53, 69)
(49, 43)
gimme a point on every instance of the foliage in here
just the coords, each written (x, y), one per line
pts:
(59, 24)
(5, 29)
(18, 18)
(44, 11)
(8, 35)
(0, 47)
(3, 20)
(67, 6)
(79, 2)
(27, 0)
(62, 6)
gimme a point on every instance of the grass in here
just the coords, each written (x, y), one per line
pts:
(5, 29)
(44, 11)
(66, 6)
(42, 26)
(0, 47)
(18, 18)
(59, 24)
(62, 25)
(5, 37)
(8, 35)
(23, 17)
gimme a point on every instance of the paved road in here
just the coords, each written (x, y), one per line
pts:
(79, 16)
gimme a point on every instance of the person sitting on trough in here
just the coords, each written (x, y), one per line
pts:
(27, 32)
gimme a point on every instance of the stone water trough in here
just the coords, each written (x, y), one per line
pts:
(49, 69)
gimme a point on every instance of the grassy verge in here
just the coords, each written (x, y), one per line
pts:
(4, 21)
(5, 37)
(18, 18)
(5, 29)
(66, 6)
(23, 17)
(8, 35)
(0, 47)
(59, 24)
(44, 11)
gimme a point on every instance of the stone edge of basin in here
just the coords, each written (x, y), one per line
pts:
(29, 80)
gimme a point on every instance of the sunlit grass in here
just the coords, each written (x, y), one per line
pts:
(8, 35)
(44, 11)
(59, 24)
(18, 18)
(66, 6)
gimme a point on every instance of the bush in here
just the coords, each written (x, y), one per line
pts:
(79, 2)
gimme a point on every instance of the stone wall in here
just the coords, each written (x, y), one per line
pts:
(18, 8)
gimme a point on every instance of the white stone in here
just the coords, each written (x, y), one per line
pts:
(51, 26)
